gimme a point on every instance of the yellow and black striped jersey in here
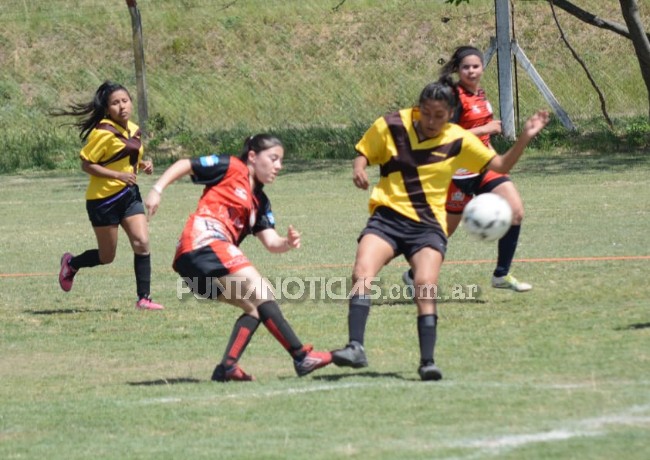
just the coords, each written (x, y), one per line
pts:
(115, 148)
(415, 174)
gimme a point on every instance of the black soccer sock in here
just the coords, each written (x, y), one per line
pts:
(427, 336)
(89, 258)
(507, 248)
(241, 335)
(359, 309)
(279, 327)
(142, 267)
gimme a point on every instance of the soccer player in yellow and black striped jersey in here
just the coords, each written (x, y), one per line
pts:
(112, 158)
(417, 151)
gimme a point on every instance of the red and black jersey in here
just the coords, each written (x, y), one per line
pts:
(473, 110)
(228, 209)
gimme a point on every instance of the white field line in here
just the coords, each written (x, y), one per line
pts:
(478, 447)
(387, 384)
(596, 426)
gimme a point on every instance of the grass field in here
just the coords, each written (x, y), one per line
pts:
(560, 372)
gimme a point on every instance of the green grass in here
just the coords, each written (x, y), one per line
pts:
(304, 68)
(559, 372)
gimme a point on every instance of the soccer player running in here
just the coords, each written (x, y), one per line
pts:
(232, 206)
(417, 151)
(112, 158)
(474, 113)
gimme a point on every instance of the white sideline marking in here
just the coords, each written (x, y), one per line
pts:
(265, 394)
(596, 426)
(387, 384)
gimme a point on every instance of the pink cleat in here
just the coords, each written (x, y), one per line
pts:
(313, 360)
(232, 374)
(67, 272)
(146, 303)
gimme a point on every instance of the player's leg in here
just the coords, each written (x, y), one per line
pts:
(248, 290)
(373, 252)
(426, 263)
(507, 245)
(104, 215)
(137, 230)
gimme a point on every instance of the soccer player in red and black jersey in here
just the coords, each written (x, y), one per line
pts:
(474, 113)
(417, 151)
(112, 158)
(232, 206)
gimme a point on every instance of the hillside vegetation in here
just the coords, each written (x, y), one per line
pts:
(314, 71)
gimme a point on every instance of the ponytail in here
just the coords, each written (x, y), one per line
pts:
(459, 54)
(258, 143)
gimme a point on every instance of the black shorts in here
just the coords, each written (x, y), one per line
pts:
(403, 234)
(197, 268)
(113, 209)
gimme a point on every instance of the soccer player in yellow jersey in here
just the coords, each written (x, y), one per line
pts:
(112, 158)
(417, 151)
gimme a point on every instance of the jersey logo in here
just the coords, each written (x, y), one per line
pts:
(234, 251)
(209, 160)
(457, 196)
(271, 219)
(241, 193)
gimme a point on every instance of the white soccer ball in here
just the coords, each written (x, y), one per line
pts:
(487, 217)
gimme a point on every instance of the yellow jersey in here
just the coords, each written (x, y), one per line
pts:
(115, 148)
(415, 174)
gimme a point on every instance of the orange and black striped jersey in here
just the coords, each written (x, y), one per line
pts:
(115, 148)
(228, 209)
(474, 110)
(414, 174)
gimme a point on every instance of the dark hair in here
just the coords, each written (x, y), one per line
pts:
(91, 113)
(441, 90)
(459, 54)
(258, 143)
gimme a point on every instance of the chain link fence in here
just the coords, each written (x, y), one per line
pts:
(255, 64)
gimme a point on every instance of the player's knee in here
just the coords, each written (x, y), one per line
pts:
(106, 258)
(140, 246)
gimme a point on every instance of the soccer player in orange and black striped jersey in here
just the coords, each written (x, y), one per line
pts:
(475, 114)
(232, 206)
(417, 151)
(112, 158)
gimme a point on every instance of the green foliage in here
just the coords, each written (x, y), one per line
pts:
(40, 150)
(314, 72)
(638, 133)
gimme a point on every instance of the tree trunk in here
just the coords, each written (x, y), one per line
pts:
(630, 10)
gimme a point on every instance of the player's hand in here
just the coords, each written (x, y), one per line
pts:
(494, 127)
(128, 178)
(360, 178)
(536, 123)
(293, 238)
(151, 203)
(146, 166)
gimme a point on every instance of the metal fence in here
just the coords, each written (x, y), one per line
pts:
(260, 64)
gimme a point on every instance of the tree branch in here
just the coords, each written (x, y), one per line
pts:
(603, 107)
(592, 19)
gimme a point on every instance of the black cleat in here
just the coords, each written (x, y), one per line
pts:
(429, 371)
(353, 355)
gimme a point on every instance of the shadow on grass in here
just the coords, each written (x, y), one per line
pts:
(174, 381)
(70, 311)
(369, 374)
(632, 327)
